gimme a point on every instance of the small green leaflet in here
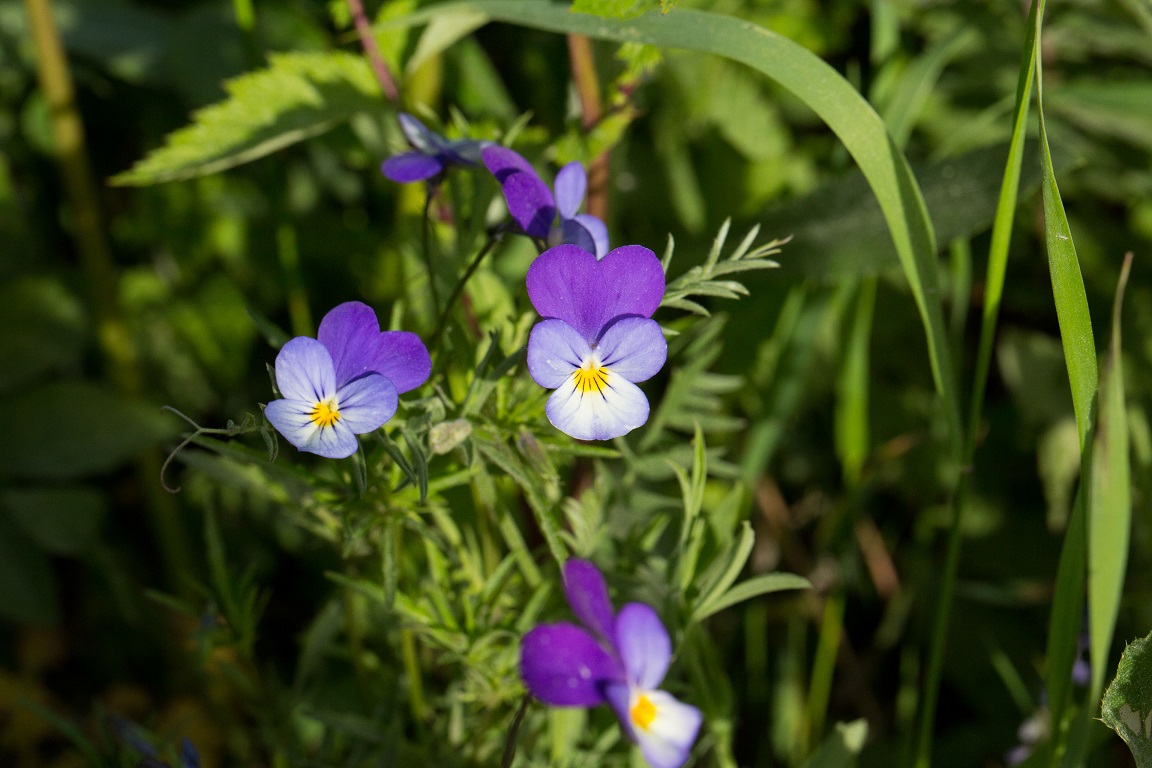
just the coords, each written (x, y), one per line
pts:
(1127, 705)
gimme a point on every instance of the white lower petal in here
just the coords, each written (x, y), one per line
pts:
(668, 738)
(614, 410)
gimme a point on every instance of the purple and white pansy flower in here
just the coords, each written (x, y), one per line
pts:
(431, 153)
(596, 341)
(535, 208)
(344, 383)
(615, 658)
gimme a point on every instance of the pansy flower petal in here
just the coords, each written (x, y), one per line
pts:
(403, 358)
(565, 283)
(555, 350)
(571, 184)
(293, 419)
(663, 727)
(613, 409)
(633, 347)
(529, 200)
(564, 666)
(349, 332)
(635, 278)
(411, 166)
(464, 151)
(587, 594)
(417, 134)
(572, 232)
(304, 370)
(598, 230)
(366, 403)
(643, 644)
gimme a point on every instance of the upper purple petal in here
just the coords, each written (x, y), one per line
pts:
(411, 166)
(529, 200)
(352, 336)
(588, 595)
(571, 184)
(403, 358)
(564, 666)
(636, 280)
(349, 332)
(598, 230)
(304, 371)
(555, 350)
(565, 282)
(643, 644)
(633, 347)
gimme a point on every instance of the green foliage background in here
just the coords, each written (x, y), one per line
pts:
(366, 612)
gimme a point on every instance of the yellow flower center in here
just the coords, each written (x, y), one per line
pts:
(325, 414)
(591, 377)
(643, 712)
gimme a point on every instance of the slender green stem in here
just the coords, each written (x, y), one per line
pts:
(425, 248)
(458, 289)
(824, 666)
(513, 732)
(289, 255)
(415, 680)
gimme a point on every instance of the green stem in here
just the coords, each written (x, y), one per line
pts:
(458, 289)
(425, 228)
(513, 732)
(289, 255)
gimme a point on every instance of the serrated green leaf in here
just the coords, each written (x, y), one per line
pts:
(299, 95)
(1127, 705)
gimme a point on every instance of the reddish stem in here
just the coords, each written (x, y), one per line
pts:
(368, 41)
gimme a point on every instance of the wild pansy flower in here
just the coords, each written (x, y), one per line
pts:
(596, 340)
(431, 153)
(344, 383)
(615, 658)
(534, 208)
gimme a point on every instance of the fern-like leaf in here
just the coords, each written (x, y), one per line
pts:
(701, 281)
(299, 95)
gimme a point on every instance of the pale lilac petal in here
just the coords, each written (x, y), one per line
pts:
(366, 403)
(555, 351)
(643, 644)
(666, 741)
(635, 278)
(571, 184)
(564, 666)
(613, 412)
(565, 283)
(588, 595)
(293, 419)
(633, 347)
(402, 357)
(572, 232)
(350, 332)
(304, 371)
(598, 230)
(529, 200)
(418, 134)
(464, 151)
(411, 166)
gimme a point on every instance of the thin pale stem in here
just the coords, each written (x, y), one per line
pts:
(513, 732)
(583, 65)
(372, 51)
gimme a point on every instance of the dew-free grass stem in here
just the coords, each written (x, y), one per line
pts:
(372, 51)
(458, 289)
(425, 247)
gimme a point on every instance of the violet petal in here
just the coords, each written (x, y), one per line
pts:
(643, 644)
(530, 203)
(633, 347)
(418, 135)
(588, 595)
(349, 332)
(304, 371)
(555, 351)
(598, 230)
(571, 184)
(293, 419)
(411, 166)
(564, 666)
(403, 358)
(565, 283)
(502, 162)
(366, 403)
(636, 279)
(572, 232)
